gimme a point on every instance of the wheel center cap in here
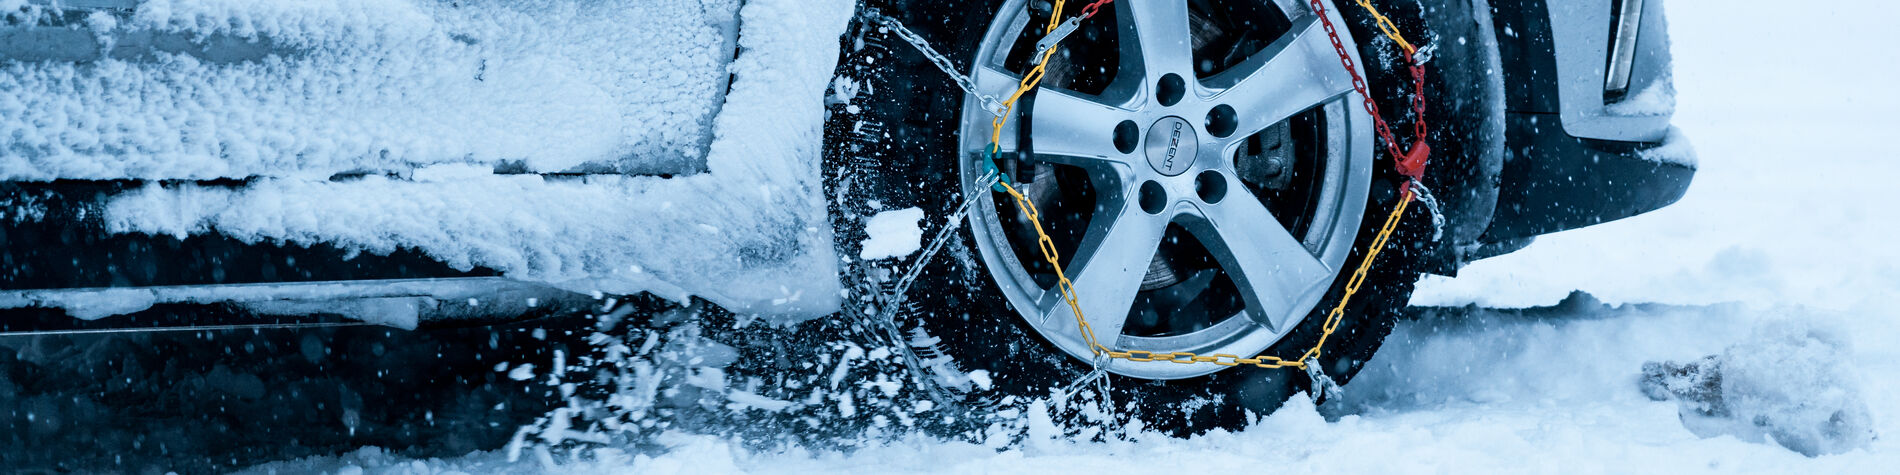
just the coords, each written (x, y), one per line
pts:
(1171, 145)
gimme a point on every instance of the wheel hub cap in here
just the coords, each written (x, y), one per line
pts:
(1171, 145)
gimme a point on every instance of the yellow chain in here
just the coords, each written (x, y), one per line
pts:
(1031, 80)
(1062, 278)
(1386, 27)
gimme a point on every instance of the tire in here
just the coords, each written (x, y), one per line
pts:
(896, 144)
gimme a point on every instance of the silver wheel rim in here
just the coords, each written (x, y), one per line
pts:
(1280, 275)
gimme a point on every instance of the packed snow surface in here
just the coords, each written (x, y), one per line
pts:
(893, 233)
(750, 234)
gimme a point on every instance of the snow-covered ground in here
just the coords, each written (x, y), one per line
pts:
(1782, 237)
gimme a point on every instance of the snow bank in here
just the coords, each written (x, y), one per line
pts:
(378, 86)
(752, 234)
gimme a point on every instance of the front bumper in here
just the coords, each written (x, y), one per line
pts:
(1554, 181)
(1588, 135)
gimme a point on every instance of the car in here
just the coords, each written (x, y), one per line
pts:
(1192, 183)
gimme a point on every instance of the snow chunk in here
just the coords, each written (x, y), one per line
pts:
(893, 233)
(1792, 383)
(522, 373)
(1675, 149)
(981, 378)
(756, 401)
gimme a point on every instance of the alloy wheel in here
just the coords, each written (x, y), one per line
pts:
(1198, 163)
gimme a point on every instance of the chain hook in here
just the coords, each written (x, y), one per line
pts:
(1323, 386)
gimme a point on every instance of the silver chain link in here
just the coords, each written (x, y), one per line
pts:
(886, 317)
(1099, 370)
(950, 225)
(1323, 386)
(1054, 38)
(899, 292)
(1431, 205)
(990, 103)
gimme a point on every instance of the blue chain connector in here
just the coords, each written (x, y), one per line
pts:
(989, 166)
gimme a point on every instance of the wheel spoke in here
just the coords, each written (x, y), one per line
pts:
(1065, 127)
(1272, 268)
(1161, 38)
(1107, 274)
(1295, 73)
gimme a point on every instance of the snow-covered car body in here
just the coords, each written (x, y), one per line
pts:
(438, 156)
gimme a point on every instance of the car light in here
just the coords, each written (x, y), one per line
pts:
(1624, 26)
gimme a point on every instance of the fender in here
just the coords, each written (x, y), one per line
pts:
(1464, 108)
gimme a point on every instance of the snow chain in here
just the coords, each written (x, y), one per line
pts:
(1409, 163)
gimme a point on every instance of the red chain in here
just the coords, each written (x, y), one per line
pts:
(1410, 163)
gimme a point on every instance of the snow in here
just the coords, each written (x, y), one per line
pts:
(751, 234)
(1657, 99)
(1777, 261)
(894, 233)
(378, 86)
(1675, 149)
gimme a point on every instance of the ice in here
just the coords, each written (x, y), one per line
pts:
(104, 303)
(395, 312)
(893, 233)
(751, 234)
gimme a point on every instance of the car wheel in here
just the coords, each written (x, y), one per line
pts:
(1203, 168)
